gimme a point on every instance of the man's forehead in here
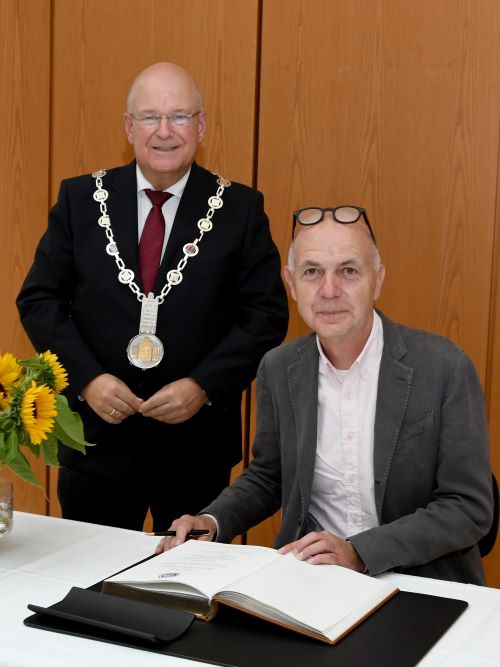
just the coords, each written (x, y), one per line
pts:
(328, 257)
(330, 238)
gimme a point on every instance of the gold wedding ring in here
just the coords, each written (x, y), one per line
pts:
(112, 412)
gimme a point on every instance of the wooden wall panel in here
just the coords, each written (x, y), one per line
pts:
(100, 47)
(24, 114)
(492, 561)
(393, 106)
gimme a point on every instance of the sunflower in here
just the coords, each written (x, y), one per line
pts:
(38, 409)
(54, 373)
(9, 374)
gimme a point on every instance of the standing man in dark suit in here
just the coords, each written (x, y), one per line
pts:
(159, 310)
(371, 436)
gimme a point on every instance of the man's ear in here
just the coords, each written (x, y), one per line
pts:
(202, 126)
(128, 127)
(379, 280)
(290, 281)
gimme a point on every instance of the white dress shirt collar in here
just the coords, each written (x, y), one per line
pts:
(176, 189)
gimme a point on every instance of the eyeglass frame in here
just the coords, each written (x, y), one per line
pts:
(333, 210)
(168, 116)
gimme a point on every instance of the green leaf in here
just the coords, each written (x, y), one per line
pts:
(6, 422)
(11, 446)
(67, 440)
(3, 449)
(33, 363)
(22, 468)
(49, 450)
(68, 427)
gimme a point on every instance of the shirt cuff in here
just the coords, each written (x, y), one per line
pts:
(214, 519)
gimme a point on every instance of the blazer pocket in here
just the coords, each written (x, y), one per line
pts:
(416, 426)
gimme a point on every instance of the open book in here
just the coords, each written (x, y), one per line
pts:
(322, 601)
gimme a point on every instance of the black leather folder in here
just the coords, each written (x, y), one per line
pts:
(98, 615)
(398, 634)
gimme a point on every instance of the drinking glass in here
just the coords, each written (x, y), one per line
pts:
(6, 506)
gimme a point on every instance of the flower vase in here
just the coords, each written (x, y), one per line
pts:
(6, 506)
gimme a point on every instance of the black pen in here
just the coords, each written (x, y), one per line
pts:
(171, 533)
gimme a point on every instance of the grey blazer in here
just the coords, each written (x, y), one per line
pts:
(431, 456)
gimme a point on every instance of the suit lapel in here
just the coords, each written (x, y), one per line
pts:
(122, 206)
(193, 206)
(394, 386)
(303, 390)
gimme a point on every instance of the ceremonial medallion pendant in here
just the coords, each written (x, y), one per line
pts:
(146, 350)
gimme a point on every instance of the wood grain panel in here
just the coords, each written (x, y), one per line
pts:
(492, 562)
(24, 114)
(393, 106)
(383, 104)
(100, 47)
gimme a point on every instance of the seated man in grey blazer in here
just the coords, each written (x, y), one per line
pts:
(371, 436)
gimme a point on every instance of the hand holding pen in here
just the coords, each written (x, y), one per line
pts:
(200, 527)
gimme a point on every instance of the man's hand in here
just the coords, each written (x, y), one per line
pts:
(183, 525)
(325, 547)
(175, 402)
(110, 398)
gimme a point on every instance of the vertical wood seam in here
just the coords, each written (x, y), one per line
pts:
(255, 172)
(49, 472)
(495, 276)
(255, 175)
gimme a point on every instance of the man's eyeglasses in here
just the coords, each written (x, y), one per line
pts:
(345, 214)
(176, 119)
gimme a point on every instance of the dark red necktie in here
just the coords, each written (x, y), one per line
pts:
(151, 243)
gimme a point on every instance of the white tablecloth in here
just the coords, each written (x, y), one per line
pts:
(43, 557)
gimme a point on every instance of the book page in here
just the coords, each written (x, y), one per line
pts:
(204, 566)
(317, 596)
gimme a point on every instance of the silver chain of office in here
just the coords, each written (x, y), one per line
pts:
(174, 277)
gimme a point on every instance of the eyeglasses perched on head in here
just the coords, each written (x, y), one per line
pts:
(176, 119)
(345, 214)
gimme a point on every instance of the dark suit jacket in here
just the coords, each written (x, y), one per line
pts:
(431, 458)
(215, 325)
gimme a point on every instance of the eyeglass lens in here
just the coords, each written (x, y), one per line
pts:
(347, 214)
